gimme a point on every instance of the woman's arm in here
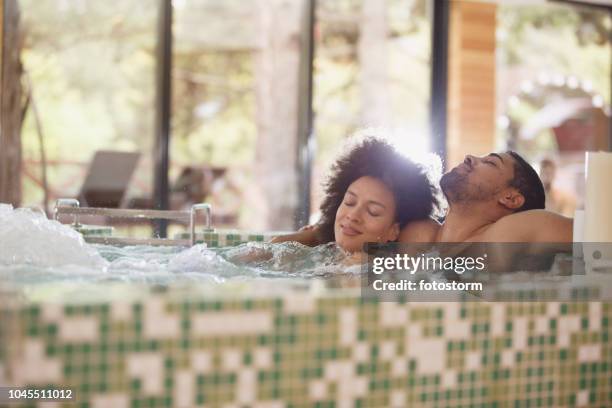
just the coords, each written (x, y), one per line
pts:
(308, 235)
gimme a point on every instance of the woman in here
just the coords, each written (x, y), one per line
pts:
(371, 193)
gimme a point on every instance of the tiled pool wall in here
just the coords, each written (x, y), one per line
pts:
(222, 238)
(301, 350)
(212, 239)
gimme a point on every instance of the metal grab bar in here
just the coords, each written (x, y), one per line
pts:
(66, 203)
(68, 206)
(125, 213)
(192, 219)
(137, 241)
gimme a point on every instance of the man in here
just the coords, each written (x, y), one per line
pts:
(496, 198)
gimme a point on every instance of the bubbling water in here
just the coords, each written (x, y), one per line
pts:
(37, 250)
(29, 238)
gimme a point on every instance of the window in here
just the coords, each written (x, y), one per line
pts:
(554, 90)
(372, 69)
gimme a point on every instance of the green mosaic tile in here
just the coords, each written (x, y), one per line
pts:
(300, 347)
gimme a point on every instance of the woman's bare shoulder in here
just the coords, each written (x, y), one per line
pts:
(420, 231)
(305, 236)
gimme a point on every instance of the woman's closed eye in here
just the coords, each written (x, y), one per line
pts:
(374, 212)
(350, 202)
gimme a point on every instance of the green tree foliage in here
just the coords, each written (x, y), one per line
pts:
(558, 39)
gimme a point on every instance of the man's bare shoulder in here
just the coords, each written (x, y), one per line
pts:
(539, 216)
(530, 226)
(419, 231)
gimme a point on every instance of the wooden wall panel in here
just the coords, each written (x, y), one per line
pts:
(1, 47)
(471, 93)
(10, 105)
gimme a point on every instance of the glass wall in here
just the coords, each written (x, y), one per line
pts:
(371, 69)
(235, 84)
(92, 68)
(235, 107)
(89, 70)
(553, 91)
(236, 93)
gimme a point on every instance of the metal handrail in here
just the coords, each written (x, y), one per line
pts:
(66, 203)
(192, 219)
(137, 241)
(126, 213)
(72, 207)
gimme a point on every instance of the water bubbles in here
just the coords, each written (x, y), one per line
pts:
(29, 238)
(200, 259)
(36, 251)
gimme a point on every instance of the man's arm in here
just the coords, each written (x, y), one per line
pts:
(532, 226)
(307, 236)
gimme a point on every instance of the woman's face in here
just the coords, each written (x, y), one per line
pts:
(366, 214)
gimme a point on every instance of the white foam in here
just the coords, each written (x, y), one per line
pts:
(201, 259)
(35, 250)
(29, 238)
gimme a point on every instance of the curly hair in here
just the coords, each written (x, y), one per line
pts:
(415, 195)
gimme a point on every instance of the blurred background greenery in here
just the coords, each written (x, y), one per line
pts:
(90, 66)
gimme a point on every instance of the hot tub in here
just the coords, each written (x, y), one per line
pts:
(166, 339)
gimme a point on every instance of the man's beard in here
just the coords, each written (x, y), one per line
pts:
(458, 189)
(453, 186)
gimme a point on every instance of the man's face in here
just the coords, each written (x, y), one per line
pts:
(478, 178)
